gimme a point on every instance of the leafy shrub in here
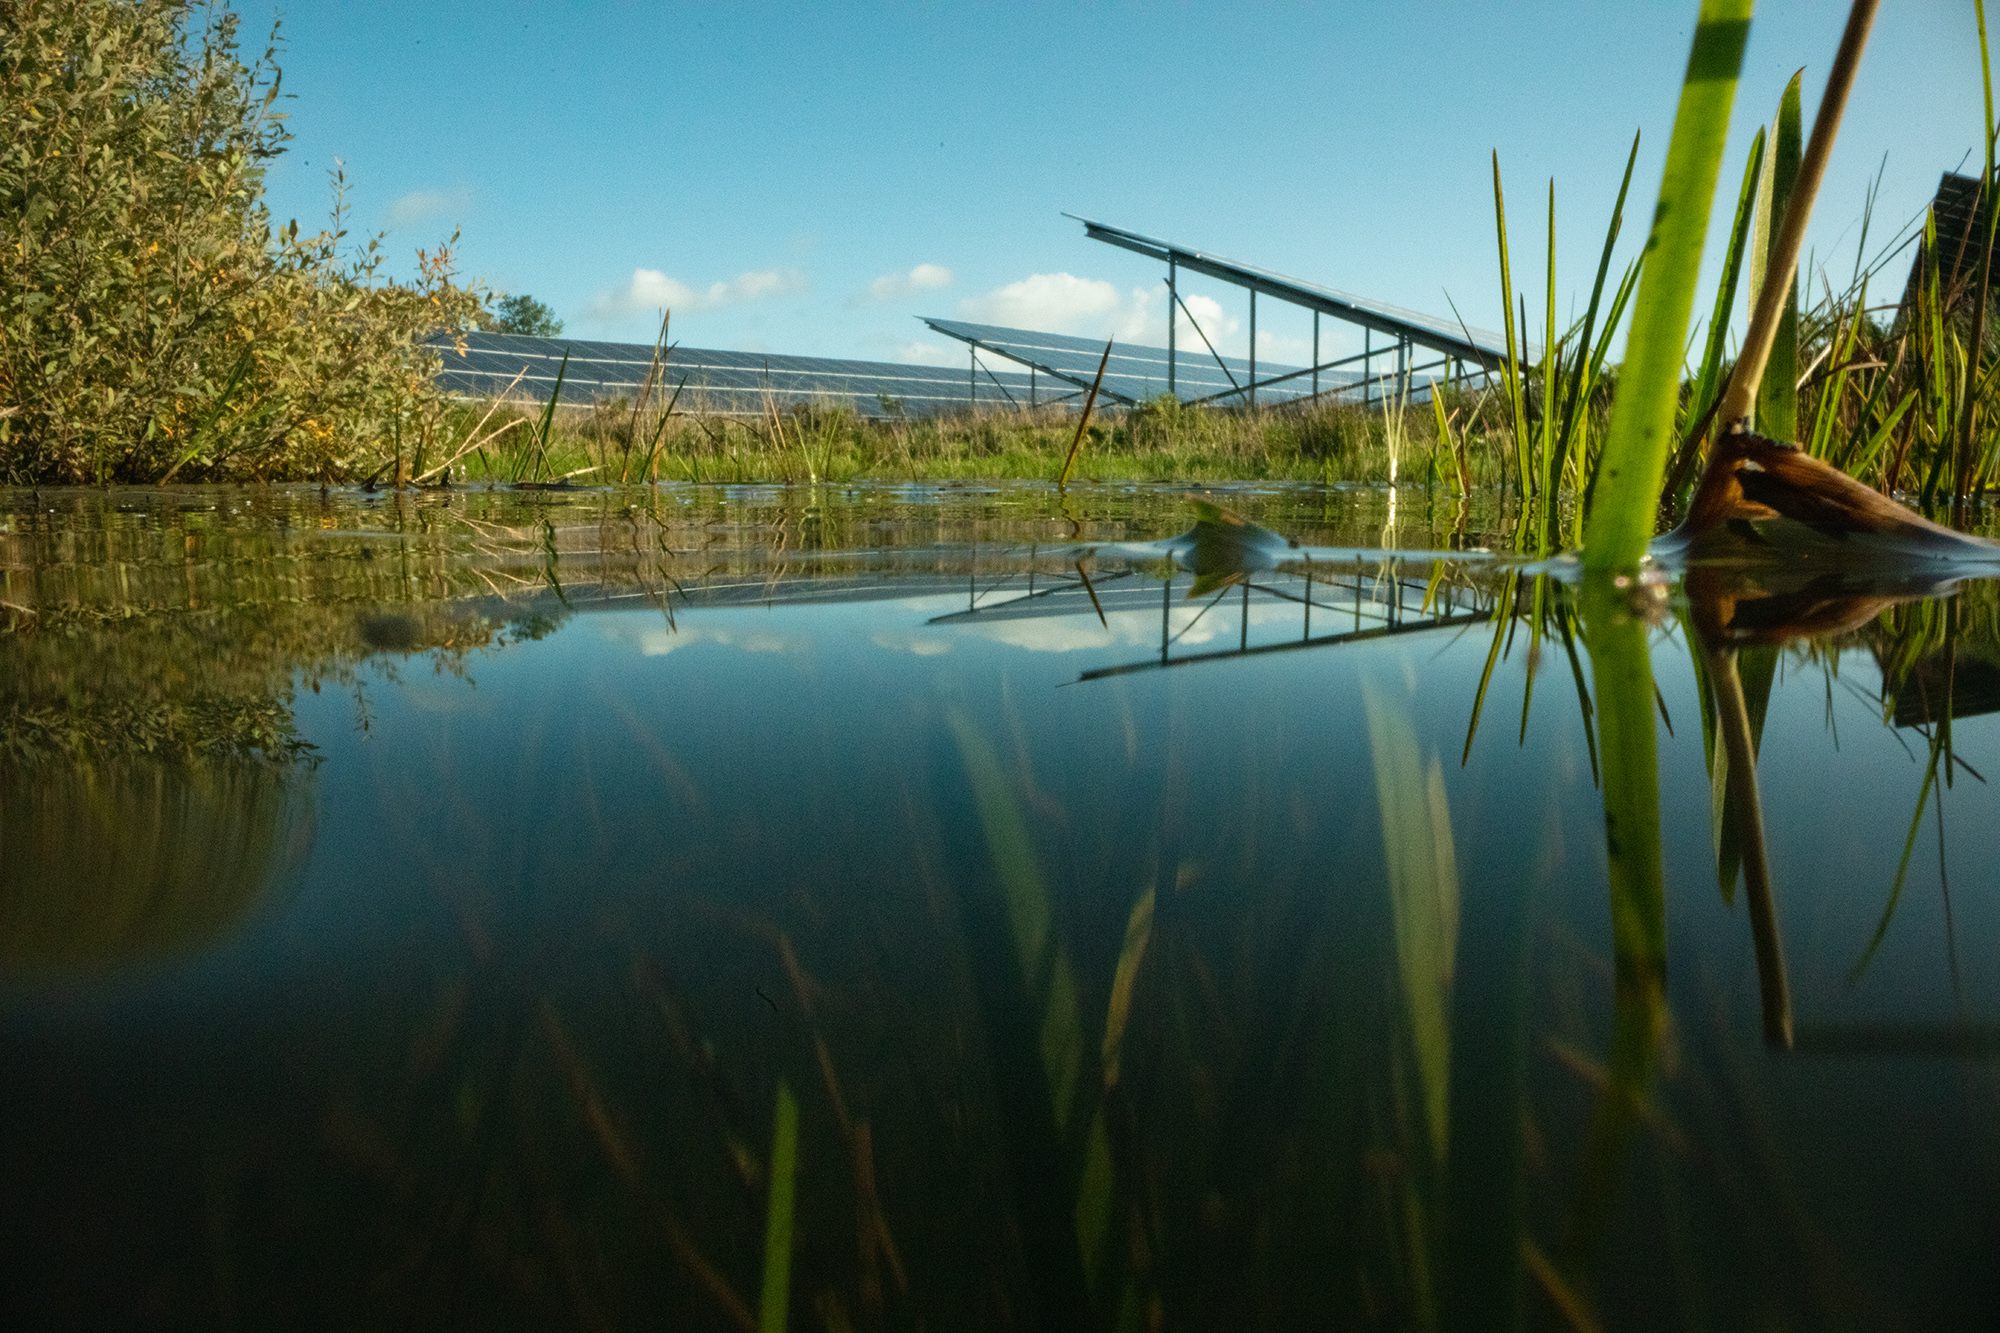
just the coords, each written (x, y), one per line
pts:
(153, 324)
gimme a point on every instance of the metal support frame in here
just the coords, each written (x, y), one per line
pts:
(1234, 387)
(1081, 383)
(1251, 394)
(1460, 350)
(1004, 390)
(1313, 371)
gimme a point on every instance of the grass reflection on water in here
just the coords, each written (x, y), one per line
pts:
(1132, 958)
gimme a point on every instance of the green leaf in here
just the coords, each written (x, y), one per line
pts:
(1777, 410)
(1627, 494)
(774, 1306)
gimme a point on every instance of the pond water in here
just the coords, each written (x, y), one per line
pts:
(936, 908)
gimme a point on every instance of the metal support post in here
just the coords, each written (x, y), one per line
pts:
(1172, 299)
(972, 380)
(1402, 369)
(1031, 387)
(1253, 347)
(1315, 357)
(1367, 365)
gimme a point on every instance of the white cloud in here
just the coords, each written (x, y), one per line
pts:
(1190, 624)
(928, 354)
(658, 640)
(649, 289)
(1093, 308)
(1221, 328)
(420, 206)
(890, 347)
(902, 286)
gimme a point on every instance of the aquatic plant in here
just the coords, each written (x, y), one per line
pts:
(1626, 498)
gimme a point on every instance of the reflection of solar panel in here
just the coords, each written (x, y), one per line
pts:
(1971, 684)
(1354, 605)
(723, 381)
(1134, 374)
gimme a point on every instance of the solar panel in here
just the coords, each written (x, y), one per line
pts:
(723, 381)
(1446, 336)
(1134, 373)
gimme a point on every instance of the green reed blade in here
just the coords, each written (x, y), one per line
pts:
(1589, 354)
(1860, 967)
(214, 413)
(1422, 871)
(1708, 377)
(541, 440)
(1599, 355)
(774, 1305)
(1503, 611)
(1756, 668)
(1777, 409)
(1622, 669)
(1835, 390)
(1881, 437)
(1642, 421)
(1083, 422)
(1551, 353)
(1583, 705)
(1444, 434)
(1968, 409)
(1518, 417)
(1138, 934)
(1535, 621)
(659, 432)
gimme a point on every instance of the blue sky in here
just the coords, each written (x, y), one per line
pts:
(805, 180)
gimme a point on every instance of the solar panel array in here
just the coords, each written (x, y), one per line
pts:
(725, 382)
(1135, 374)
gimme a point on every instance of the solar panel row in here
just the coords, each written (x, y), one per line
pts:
(716, 381)
(1017, 367)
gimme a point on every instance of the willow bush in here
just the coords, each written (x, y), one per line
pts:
(153, 322)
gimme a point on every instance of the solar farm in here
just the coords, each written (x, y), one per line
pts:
(1004, 367)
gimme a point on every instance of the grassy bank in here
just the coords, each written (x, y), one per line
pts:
(611, 443)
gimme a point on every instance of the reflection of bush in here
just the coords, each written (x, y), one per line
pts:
(114, 861)
(203, 726)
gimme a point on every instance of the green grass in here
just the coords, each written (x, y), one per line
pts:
(609, 443)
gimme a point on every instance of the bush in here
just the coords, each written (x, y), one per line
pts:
(152, 322)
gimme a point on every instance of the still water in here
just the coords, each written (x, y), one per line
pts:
(935, 908)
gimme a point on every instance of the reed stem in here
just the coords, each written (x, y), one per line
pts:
(1784, 264)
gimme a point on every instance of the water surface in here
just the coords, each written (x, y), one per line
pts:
(414, 912)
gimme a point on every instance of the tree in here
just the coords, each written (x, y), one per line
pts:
(524, 314)
(152, 322)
